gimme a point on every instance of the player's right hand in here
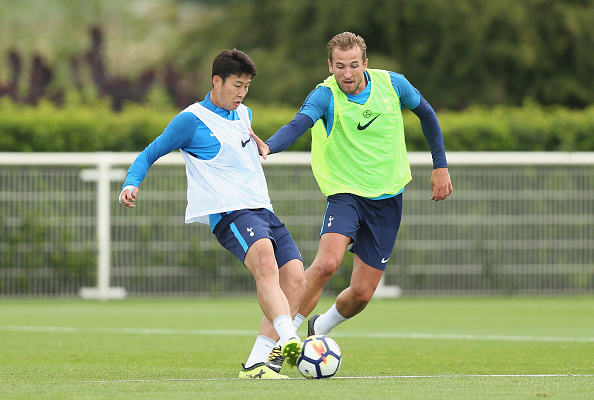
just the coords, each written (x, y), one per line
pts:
(128, 197)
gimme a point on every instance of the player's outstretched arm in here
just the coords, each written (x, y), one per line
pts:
(128, 196)
(263, 148)
(441, 184)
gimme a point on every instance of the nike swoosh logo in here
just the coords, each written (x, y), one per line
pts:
(361, 127)
(246, 142)
(384, 260)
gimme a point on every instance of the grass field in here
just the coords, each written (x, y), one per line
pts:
(439, 348)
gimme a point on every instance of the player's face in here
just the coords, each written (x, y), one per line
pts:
(230, 93)
(348, 68)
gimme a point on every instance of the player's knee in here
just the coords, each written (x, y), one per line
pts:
(263, 267)
(268, 262)
(327, 268)
(362, 295)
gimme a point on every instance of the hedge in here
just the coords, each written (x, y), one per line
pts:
(528, 128)
(77, 128)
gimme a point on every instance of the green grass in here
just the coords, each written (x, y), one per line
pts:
(439, 348)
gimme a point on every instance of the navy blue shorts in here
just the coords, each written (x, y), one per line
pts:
(238, 231)
(372, 225)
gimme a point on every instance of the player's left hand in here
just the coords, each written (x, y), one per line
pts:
(441, 184)
(263, 148)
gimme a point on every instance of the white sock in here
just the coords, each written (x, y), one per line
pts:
(297, 321)
(284, 327)
(262, 348)
(328, 321)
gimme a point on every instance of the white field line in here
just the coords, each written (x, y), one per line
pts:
(361, 335)
(363, 377)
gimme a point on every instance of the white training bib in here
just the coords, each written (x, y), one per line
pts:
(233, 179)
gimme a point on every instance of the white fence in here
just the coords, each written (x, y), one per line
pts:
(517, 223)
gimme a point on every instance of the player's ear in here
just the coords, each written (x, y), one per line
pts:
(330, 66)
(216, 80)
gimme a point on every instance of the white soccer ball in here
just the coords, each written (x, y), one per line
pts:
(320, 357)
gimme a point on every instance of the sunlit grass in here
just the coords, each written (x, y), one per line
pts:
(496, 348)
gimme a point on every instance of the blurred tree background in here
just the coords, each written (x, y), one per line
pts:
(457, 52)
(461, 54)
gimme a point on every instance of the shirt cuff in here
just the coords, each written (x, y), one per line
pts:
(122, 192)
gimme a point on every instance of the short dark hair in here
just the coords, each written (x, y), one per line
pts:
(232, 62)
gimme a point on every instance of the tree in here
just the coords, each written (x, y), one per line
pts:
(457, 52)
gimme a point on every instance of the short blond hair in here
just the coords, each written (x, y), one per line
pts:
(346, 41)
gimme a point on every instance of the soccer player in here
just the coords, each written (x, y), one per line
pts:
(227, 190)
(359, 159)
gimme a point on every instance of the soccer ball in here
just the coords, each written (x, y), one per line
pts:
(320, 357)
